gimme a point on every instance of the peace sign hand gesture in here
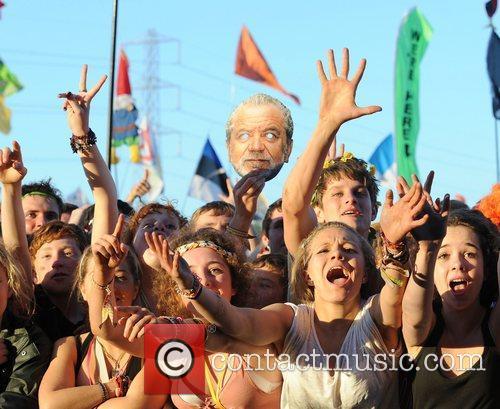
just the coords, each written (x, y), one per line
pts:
(337, 103)
(77, 106)
(108, 250)
(12, 169)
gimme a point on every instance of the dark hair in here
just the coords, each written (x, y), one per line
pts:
(355, 169)
(45, 188)
(150, 208)
(489, 242)
(219, 208)
(88, 214)
(56, 230)
(266, 222)
(457, 204)
(68, 207)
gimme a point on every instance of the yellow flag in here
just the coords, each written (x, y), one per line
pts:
(4, 117)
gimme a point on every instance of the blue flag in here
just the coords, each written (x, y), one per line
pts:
(209, 180)
(383, 160)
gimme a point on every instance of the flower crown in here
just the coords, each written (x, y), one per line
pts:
(330, 162)
(346, 157)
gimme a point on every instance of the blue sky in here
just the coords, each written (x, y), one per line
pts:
(45, 44)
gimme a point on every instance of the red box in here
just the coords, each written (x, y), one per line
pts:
(174, 359)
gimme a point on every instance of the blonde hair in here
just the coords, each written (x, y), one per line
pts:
(83, 268)
(300, 289)
(21, 302)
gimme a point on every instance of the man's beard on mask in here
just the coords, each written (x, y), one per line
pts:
(271, 165)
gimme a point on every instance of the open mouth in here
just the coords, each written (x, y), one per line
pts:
(337, 276)
(458, 285)
(59, 276)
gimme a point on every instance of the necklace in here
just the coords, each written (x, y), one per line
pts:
(115, 370)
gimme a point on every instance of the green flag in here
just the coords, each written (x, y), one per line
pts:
(9, 84)
(414, 35)
(4, 117)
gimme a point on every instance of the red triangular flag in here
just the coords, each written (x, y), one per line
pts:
(123, 82)
(491, 7)
(251, 64)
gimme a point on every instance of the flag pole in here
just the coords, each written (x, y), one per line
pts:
(496, 150)
(112, 84)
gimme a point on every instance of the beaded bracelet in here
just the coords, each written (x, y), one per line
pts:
(194, 292)
(104, 287)
(104, 392)
(82, 143)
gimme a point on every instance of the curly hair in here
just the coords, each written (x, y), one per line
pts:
(489, 242)
(21, 302)
(56, 230)
(355, 169)
(170, 303)
(148, 209)
(300, 289)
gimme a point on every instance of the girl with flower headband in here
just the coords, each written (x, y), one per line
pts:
(216, 264)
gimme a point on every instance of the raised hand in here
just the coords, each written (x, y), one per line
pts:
(246, 194)
(337, 103)
(77, 106)
(12, 169)
(140, 189)
(173, 264)
(108, 250)
(399, 218)
(135, 321)
(437, 211)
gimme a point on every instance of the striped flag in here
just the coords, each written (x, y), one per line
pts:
(209, 180)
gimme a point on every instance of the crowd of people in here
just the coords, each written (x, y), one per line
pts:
(348, 312)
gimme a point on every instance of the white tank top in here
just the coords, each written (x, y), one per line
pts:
(353, 387)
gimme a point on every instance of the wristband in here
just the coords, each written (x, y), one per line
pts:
(239, 233)
(104, 392)
(83, 143)
(194, 292)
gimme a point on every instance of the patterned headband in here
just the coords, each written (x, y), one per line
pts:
(230, 257)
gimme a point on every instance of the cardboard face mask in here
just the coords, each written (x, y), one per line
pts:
(258, 140)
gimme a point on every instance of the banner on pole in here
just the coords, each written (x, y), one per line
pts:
(414, 35)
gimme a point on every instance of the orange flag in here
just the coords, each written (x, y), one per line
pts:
(251, 64)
